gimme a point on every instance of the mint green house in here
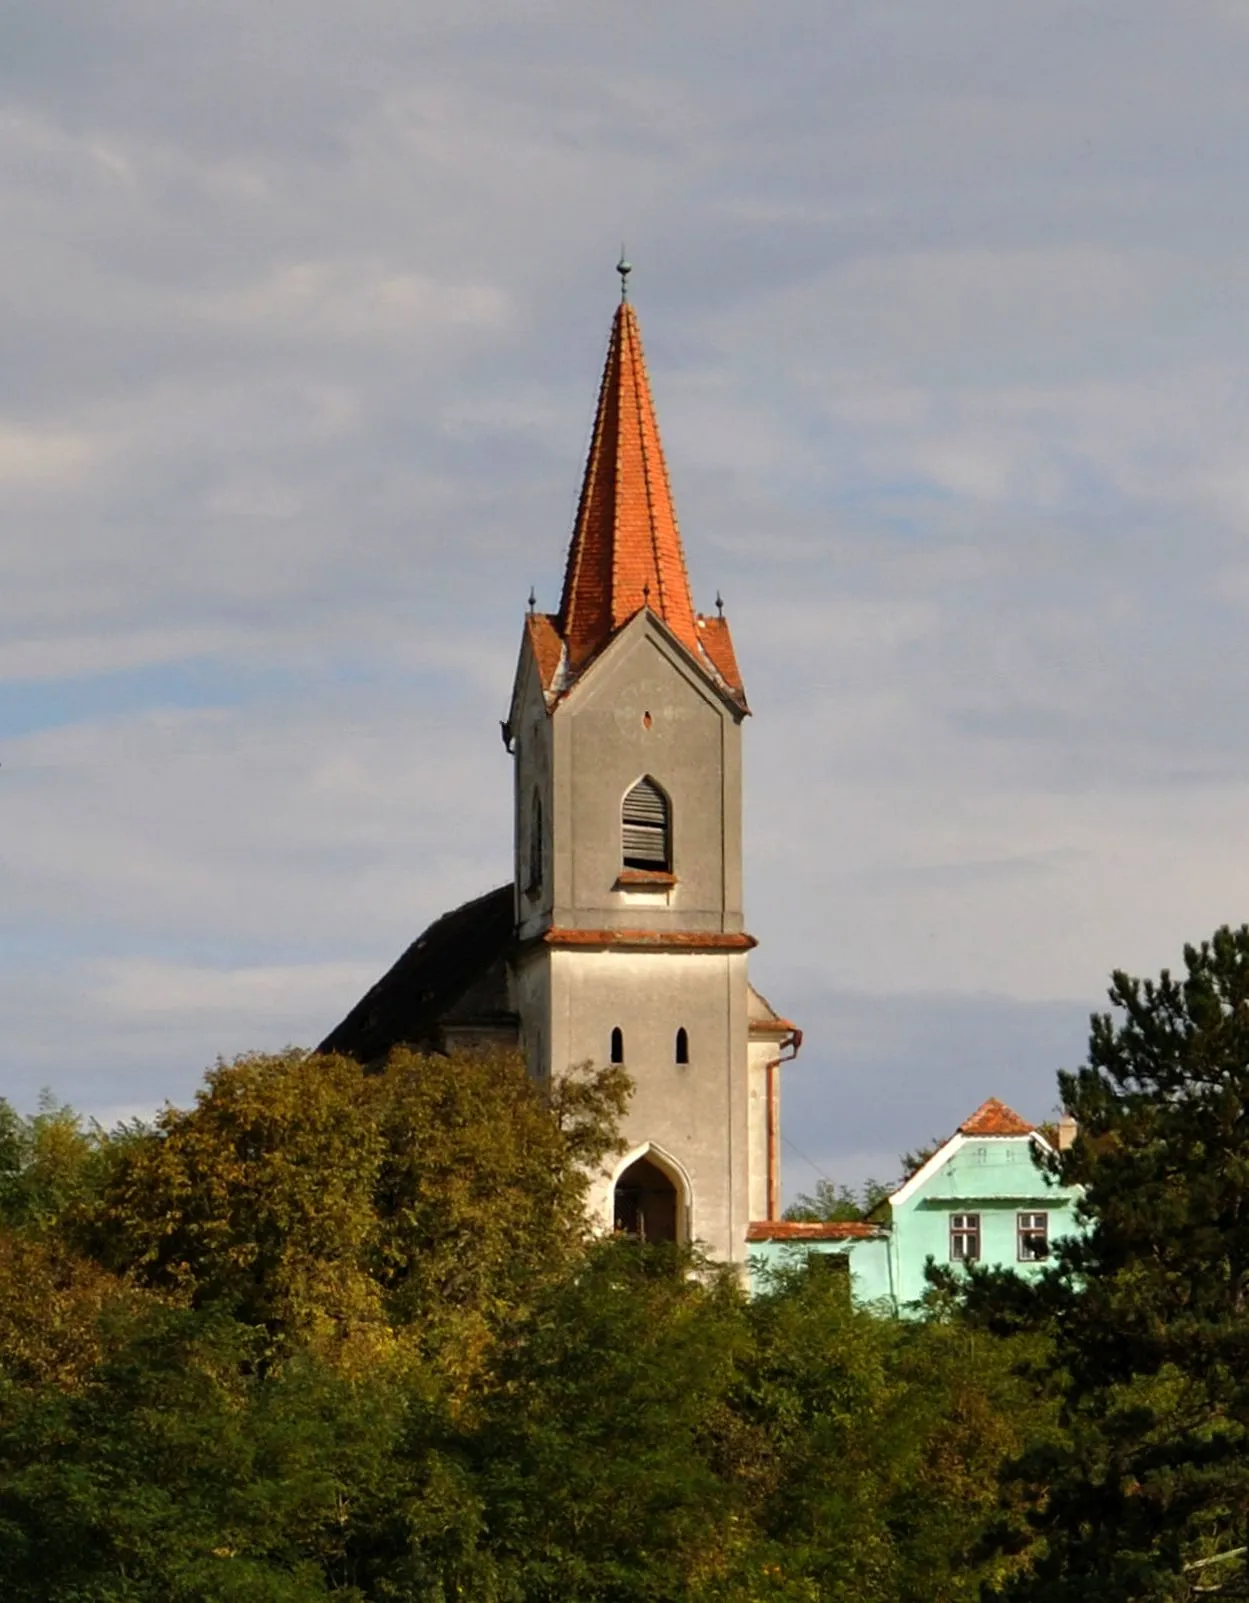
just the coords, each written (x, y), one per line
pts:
(982, 1197)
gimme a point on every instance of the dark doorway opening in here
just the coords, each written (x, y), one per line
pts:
(646, 1202)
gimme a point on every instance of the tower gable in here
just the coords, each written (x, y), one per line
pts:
(644, 712)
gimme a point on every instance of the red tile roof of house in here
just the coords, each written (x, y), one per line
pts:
(811, 1230)
(776, 1026)
(995, 1118)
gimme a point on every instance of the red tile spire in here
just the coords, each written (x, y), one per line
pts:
(626, 550)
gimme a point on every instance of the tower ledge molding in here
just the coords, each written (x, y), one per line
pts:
(649, 940)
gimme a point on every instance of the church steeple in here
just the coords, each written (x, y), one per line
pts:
(622, 936)
(626, 549)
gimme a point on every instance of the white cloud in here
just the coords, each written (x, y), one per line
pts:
(66, 656)
(136, 989)
(314, 301)
(52, 457)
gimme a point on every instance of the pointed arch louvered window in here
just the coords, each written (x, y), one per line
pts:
(646, 827)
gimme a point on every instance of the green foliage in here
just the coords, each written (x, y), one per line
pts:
(1150, 1310)
(875, 1448)
(349, 1210)
(595, 1447)
(830, 1203)
(184, 1472)
(48, 1161)
(328, 1334)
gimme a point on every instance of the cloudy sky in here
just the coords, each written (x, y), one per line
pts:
(304, 305)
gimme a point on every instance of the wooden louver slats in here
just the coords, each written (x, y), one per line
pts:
(644, 827)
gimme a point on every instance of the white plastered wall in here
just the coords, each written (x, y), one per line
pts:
(762, 1051)
(696, 1113)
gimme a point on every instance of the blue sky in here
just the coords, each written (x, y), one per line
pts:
(304, 310)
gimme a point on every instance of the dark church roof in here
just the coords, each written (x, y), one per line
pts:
(455, 971)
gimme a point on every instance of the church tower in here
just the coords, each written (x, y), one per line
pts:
(626, 731)
(621, 937)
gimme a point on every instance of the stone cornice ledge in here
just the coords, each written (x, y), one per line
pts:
(652, 940)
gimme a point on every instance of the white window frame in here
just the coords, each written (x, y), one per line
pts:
(1028, 1226)
(965, 1227)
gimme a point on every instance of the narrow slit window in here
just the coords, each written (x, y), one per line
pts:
(617, 1045)
(683, 1046)
(535, 845)
(646, 828)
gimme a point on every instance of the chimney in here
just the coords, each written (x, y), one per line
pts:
(1067, 1131)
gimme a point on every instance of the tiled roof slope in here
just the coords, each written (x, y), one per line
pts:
(717, 644)
(411, 1000)
(812, 1230)
(626, 551)
(548, 648)
(995, 1118)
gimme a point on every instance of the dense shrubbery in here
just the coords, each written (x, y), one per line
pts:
(333, 1334)
(329, 1334)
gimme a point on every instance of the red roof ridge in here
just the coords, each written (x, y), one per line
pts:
(812, 1230)
(993, 1117)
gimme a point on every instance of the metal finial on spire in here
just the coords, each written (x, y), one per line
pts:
(719, 603)
(646, 595)
(533, 599)
(624, 267)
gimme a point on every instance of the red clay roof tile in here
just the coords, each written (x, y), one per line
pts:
(811, 1230)
(547, 645)
(713, 634)
(626, 550)
(995, 1118)
(776, 1026)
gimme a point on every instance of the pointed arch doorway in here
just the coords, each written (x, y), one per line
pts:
(647, 1202)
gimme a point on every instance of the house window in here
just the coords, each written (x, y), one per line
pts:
(964, 1237)
(1033, 1237)
(683, 1046)
(617, 1045)
(646, 828)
